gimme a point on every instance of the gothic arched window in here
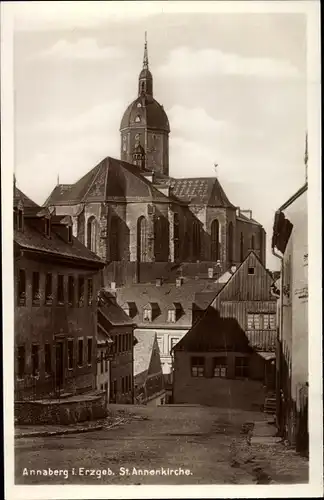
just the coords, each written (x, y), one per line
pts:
(161, 239)
(114, 239)
(215, 240)
(230, 241)
(92, 234)
(242, 248)
(141, 239)
(196, 240)
(176, 236)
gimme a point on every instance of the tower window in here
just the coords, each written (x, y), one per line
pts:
(139, 105)
(138, 118)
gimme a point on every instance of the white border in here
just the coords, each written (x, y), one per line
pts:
(120, 9)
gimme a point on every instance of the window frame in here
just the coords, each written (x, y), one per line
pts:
(48, 289)
(89, 341)
(220, 363)
(60, 297)
(47, 359)
(71, 290)
(241, 367)
(21, 293)
(197, 369)
(70, 354)
(35, 356)
(80, 343)
(81, 290)
(21, 374)
(36, 288)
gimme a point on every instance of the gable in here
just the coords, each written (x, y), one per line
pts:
(243, 286)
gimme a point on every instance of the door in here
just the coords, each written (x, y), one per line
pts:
(59, 367)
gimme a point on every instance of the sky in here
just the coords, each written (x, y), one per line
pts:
(233, 86)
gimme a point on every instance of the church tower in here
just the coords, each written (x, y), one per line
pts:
(145, 127)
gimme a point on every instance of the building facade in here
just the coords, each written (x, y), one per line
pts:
(227, 357)
(56, 284)
(290, 244)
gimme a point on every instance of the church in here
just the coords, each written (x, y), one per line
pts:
(146, 224)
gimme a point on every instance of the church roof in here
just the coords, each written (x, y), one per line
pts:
(20, 196)
(111, 180)
(201, 190)
(151, 115)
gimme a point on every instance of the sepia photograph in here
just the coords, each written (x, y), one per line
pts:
(161, 197)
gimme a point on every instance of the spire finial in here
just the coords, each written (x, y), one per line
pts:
(306, 156)
(58, 179)
(145, 60)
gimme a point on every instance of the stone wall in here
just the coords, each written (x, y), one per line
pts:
(62, 412)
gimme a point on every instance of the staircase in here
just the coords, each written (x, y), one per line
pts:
(270, 405)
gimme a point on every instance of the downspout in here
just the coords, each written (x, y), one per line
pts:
(279, 345)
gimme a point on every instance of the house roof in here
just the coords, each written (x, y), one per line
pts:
(111, 180)
(165, 296)
(200, 190)
(214, 333)
(20, 196)
(112, 312)
(33, 239)
(244, 218)
(143, 351)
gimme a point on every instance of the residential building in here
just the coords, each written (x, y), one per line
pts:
(115, 370)
(56, 283)
(148, 377)
(290, 244)
(227, 357)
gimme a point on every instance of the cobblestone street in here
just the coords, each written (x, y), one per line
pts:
(213, 445)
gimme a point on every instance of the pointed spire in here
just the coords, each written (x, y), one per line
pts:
(58, 179)
(145, 59)
(306, 156)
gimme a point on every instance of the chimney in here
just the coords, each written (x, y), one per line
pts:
(158, 281)
(179, 281)
(210, 272)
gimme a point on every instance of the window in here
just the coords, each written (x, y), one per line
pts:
(71, 290)
(242, 248)
(101, 362)
(80, 352)
(35, 289)
(70, 234)
(252, 242)
(81, 291)
(114, 239)
(176, 236)
(160, 344)
(253, 321)
(139, 105)
(22, 287)
(35, 360)
(20, 219)
(21, 359)
(147, 315)
(60, 289)
(70, 347)
(118, 344)
(48, 359)
(197, 366)
(269, 321)
(196, 240)
(172, 315)
(90, 291)
(106, 364)
(241, 367)
(138, 118)
(215, 240)
(48, 289)
(89, 353)
(126, 384)
(173, 342)
(220, 367)
(47, 227)
(123, 385)
(251, 270)
(92, 228)
(230, 242)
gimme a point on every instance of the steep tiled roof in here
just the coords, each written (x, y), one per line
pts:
(214, 333)
(31, 238)
(165, 296)
(243, 218)
(113, 313)
(201, 190)
(143, 351)
(20, 196)
(110, 180)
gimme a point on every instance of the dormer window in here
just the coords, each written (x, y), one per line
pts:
(174, 312)
(251, 270)
(69, 234)
(130, 309)
(147, 315)
(171, 315)
(47, 227)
